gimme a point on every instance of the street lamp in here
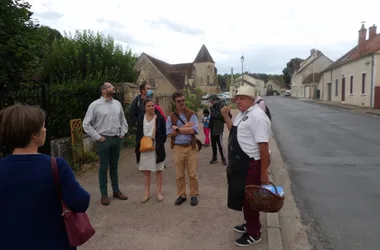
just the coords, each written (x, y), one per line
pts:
(242, 70)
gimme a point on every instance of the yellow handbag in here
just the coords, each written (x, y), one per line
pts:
(147, 142)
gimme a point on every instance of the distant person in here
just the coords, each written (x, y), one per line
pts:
(260, 101)
(137, 105)
(30, 208)
(105, 122)
(216, 130)
(206, 130)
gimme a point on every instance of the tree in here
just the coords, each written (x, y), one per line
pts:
(17, 46)
(87, 55)
(289, 70)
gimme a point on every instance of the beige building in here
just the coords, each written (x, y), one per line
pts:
(256, 83)
(166, 78)
(305, 80)
(355, 77)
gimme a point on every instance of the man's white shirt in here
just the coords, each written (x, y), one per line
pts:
(254, 127)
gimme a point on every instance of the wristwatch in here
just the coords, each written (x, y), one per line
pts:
(177, 130)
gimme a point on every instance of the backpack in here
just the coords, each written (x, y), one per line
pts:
(266, 110)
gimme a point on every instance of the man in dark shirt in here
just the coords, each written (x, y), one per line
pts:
(217, 128)
(137, 105)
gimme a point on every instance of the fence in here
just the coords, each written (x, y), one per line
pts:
(59, 104)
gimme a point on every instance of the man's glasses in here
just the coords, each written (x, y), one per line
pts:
(180, 101)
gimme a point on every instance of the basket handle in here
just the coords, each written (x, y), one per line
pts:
(274, 187)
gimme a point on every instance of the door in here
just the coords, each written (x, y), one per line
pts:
(343, 89)
(329, 91)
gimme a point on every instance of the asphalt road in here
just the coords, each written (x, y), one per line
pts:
(333, 159)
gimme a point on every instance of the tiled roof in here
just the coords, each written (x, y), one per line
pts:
(309, 78)
(369, 46)
(185, 67)
(309, 61)
(203, 56)
(175, 77)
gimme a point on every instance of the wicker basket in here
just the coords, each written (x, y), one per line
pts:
(263, 200)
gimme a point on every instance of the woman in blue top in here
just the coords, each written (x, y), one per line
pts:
(30, 211)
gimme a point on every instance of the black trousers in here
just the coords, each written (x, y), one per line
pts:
(217, 141)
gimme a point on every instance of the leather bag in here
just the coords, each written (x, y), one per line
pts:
(77, 225)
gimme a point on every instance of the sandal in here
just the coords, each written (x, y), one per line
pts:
(160, 198)
(145, 199)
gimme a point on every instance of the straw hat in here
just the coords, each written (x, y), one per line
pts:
(246, 90)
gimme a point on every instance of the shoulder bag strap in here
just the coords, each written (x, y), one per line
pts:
(179, 118)
(54, 168)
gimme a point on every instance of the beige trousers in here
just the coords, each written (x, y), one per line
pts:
(186, 158)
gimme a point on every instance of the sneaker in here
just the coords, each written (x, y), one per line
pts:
(194, 201)
(213, 161)
(224, 161)
(247, 240)
(240, 228)
(180, 200)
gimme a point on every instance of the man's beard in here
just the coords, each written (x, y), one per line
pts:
(110, 93)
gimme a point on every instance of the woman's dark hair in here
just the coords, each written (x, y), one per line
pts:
(148, 100)
(18, 123)
(206, 112)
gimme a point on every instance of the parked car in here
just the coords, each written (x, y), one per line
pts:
(205, 97)
(288, 92)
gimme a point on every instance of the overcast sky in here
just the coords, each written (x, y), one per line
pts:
(268, 33)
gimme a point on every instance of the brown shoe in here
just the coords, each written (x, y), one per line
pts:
(120, 196)
(104, 200)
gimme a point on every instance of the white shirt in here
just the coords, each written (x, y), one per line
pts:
(254, 128)
(105, 118)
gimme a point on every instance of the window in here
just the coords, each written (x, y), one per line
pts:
(208, 80)
(152, 83)
(336, 87)
(363, 83)
(351, 84)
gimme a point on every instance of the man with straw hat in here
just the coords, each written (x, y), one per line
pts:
(248, 159)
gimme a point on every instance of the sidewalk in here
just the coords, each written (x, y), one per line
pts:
(162, 226)
(358, 109)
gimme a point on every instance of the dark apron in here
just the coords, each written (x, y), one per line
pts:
(237, 170)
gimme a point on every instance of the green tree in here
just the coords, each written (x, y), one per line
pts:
(87, 55)
(288, 71)
(17, 42)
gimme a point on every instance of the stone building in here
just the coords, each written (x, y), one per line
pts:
(166, 78)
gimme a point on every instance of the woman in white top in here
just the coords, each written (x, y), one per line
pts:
(151, 124)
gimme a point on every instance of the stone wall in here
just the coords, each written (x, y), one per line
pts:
(165, 102)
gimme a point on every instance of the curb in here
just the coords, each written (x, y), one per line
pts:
(273, 227)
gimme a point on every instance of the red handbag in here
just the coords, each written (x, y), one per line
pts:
(77, 225)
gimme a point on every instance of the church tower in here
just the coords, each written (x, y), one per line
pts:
(204, 71)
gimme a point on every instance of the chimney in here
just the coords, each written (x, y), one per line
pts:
(362, 35)
(312, 52)
(372, 31)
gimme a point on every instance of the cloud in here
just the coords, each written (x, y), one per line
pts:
(49, 15)
(267, 33)
(122, 36)
(174, 26)
(111, 23)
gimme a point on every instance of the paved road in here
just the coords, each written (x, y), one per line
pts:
(333, 159)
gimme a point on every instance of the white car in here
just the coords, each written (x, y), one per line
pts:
(205, 96)
(288, 92)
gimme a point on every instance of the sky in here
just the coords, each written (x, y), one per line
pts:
(267, 33)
